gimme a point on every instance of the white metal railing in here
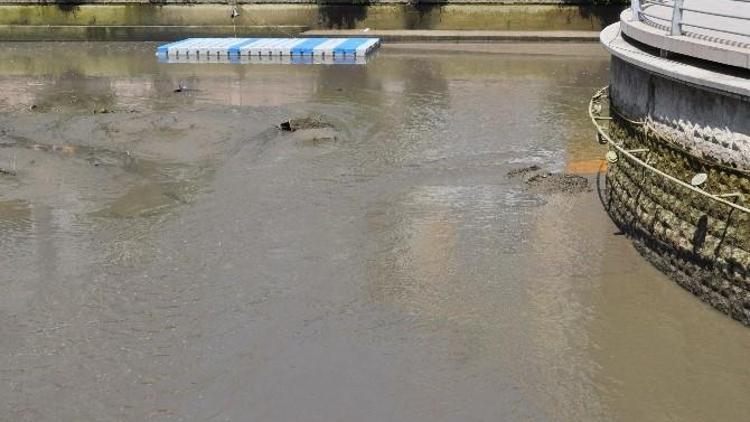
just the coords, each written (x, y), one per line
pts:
(727, 21)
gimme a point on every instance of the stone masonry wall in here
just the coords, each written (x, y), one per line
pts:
(701, 244)
(710, 124)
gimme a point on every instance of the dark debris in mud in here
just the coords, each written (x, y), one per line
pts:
(558, 183)
(524, 171)
(537, 180)
(302, 123)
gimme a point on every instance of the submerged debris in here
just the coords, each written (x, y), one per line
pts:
(316, 136)
(523, 171)
(7, 172)
(302, 123)
(558, 183)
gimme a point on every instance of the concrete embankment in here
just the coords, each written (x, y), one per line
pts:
(460, 35)
(685, 119)
(143, 20)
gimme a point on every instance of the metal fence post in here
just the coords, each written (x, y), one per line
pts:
(677, 18)
(636, 8)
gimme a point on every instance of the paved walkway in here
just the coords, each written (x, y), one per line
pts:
(705, 36)
(734, 8)
(713, 77)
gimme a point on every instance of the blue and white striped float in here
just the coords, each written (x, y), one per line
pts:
(325, 50)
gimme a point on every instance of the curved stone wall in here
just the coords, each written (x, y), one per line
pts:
(710, 123)
(704, 245)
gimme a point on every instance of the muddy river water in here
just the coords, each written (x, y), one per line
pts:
(173, 256)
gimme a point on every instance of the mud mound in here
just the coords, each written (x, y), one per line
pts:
(540, 181)
(523, 171)
(315, 122)
(558, 183)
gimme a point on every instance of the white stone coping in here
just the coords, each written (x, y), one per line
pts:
(611, 38)
(657, 36)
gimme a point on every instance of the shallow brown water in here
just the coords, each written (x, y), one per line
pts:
(181, 259)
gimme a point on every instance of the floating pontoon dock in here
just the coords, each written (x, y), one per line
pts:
(277, 50)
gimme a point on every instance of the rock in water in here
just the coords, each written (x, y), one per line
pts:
(558, 183)
(523, 172)
(302, 123)
(544, 182)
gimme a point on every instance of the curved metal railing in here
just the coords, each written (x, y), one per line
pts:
(723, 21)
(595, 107)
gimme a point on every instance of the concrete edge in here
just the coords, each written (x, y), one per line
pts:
(172, 32)
(685, 45)
(139, 32)
(611, 38)
(460, 36)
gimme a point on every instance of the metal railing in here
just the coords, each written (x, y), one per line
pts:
(691, 20)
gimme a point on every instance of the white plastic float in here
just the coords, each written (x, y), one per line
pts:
(269, 50)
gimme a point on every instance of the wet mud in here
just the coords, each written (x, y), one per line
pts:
(558, 183)
(191, 261)
(312, 130)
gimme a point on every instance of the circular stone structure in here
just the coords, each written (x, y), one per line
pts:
(679, 106)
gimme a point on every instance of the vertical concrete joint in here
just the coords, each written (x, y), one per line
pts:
(677, 18)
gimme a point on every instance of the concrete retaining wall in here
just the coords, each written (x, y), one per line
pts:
(171, 20)
(702, 244)
(709, 123)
